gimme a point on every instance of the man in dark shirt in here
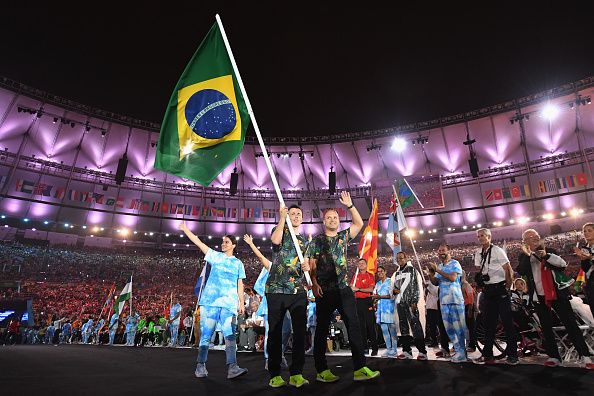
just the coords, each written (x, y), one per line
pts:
(331, 289)
(285, 292)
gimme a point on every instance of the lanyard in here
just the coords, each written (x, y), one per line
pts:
(486, 258)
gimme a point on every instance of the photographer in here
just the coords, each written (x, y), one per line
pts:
(495, 278)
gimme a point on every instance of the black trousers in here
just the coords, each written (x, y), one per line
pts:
(432, 317)
(366, 317)
(565, 313)
(342, 300)
(444, 340)
(409, 320)
(278, 305)
(470, 324)
(589, 291)
(497, 304)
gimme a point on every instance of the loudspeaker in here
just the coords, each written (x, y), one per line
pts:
(105, 187)
(121, 172)
(331, 182)
(473, 164)
(513, 179)
(233, 186)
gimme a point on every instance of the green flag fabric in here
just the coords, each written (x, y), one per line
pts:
(206, 119)
(405, 194)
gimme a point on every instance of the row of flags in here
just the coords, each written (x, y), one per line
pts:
(544, 186)
(29, 187)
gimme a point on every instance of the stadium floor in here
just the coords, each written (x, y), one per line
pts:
(91, 370)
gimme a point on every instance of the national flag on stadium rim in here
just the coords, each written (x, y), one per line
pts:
(202, 279)
(579, 281)
(368, 244)
(124, 296)
(206, 119)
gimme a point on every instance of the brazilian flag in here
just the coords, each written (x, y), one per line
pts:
(205, 123)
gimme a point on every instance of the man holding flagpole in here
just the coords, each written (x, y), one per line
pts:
(329, 272)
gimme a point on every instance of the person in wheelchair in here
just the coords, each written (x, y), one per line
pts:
(548, 288)
(338, 333)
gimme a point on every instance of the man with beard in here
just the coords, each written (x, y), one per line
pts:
(329, 272)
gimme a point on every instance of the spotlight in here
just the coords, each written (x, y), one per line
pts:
(550, 112)
(55, 120)
(95, 229)
(26, 220)
(72, 124)
(84, 227)
(103, 132)
(87, 128)
(39, 113)
(46, 222)
(66, 225)
(399, 144)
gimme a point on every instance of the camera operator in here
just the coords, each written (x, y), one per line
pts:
(495, 278)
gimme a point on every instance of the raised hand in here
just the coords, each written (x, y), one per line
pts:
(345, 198)
(248, 239)
(284, 211)
(182, 225)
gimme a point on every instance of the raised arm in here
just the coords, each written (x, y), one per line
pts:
(203, 247)
(250, 241)
(357, 224)
(277, 235)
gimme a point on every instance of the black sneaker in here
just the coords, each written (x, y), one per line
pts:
(512, 360)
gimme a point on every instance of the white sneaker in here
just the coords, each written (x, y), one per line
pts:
(405, 355)
(201, 370)
(587, 363)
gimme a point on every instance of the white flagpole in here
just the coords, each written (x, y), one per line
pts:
(413, 193)
(131, 291)
(410, 237)
(261, 142)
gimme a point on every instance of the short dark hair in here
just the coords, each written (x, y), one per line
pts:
(296, 207)
(382, 267)
(444, 244)
(401, 252)
(232, 238)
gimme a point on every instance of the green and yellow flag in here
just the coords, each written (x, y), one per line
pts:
(205, 123)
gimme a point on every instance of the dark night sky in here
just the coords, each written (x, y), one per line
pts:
(308, 70)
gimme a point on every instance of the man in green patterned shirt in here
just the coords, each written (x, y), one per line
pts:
(285, 292)
(329, 272)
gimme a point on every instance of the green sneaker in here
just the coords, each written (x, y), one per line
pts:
(326, 376)
(364, 374)
(297, 381)
(277, 382)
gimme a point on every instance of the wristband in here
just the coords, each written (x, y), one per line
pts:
(351, 207)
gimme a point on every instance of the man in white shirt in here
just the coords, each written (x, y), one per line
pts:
(495, 278)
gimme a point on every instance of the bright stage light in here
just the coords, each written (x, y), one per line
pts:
(124, 231)
(547, 216)
(421, 232)
(399, 144)
(95, 229)
(167, 235)
(550, 112)
(575, 212)
(464, 227)
(410, 233)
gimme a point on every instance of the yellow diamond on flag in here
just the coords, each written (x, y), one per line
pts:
(207, 114)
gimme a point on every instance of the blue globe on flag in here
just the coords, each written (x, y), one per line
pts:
(210, 114)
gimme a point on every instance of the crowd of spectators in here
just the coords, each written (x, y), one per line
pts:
(75, 282)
